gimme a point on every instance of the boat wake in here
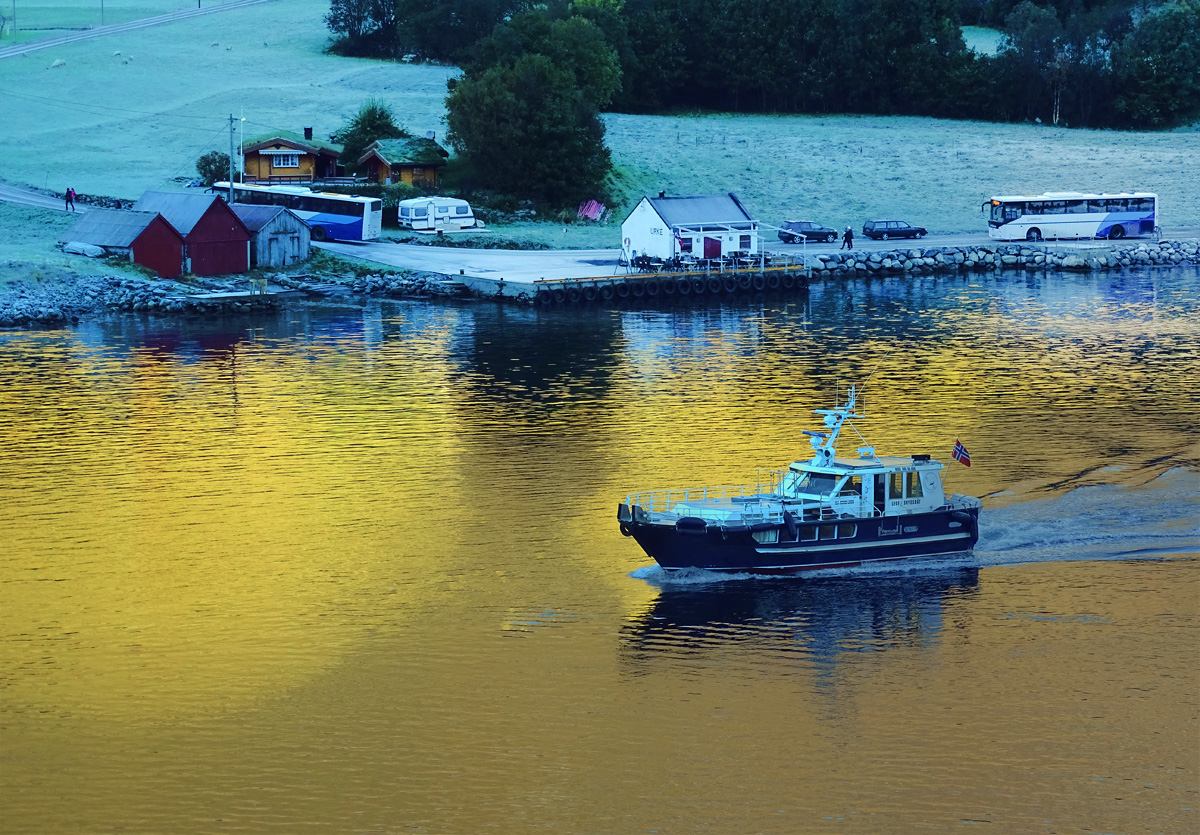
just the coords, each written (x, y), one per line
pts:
(1160, 520)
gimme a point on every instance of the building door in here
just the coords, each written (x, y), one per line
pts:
(712, 247)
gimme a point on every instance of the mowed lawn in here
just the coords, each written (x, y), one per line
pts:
(130, 112)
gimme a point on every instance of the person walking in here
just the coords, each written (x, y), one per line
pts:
(71, 199)
(847, 239)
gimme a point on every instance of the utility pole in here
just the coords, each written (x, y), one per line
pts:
(230, 157)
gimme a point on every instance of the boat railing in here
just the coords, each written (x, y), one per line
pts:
(662, 501)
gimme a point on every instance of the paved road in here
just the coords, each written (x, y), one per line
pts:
(59, 40)
(25, 197)
(526, 267)
(494, 264)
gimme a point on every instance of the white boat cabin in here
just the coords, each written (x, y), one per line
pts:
(866, 486)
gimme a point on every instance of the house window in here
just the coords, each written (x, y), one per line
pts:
(287, 160)
(685, 244)
(418, 173)
(744, 243)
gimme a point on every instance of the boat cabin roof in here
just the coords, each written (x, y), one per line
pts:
(842, 466)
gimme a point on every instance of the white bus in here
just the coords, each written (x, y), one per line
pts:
(339, 217)
(432, 214)
(1070, 214)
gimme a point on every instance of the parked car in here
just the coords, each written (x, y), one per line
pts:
(882, 230)
(793, 231)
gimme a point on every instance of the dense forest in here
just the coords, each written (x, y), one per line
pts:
(1080, 63)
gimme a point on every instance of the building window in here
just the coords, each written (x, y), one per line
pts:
(418, 173)
(744, 243)
(685, 244)
(287, 160)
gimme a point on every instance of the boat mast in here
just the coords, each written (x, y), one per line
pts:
(824, 444)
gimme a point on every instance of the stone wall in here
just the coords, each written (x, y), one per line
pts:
(1027, 256)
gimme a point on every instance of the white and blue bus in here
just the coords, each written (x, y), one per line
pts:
(330, 216)
(1070, 214)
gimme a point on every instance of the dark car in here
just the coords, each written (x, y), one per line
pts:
(882, 230)
(794, 231)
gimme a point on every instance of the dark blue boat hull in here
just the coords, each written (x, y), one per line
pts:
(692, 544)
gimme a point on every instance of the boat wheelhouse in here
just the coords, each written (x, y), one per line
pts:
(828, 512)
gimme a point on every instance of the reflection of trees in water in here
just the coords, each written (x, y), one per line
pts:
(819, 618)
(532, 354)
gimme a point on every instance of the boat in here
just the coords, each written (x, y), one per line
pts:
(828, 512)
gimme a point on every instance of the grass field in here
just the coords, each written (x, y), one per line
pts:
(46, 19)
(125, 113)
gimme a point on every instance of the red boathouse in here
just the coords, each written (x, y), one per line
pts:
(216, 241)
(146, 238)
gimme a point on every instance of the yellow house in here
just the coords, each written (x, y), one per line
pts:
(287, 157)
(414, 162)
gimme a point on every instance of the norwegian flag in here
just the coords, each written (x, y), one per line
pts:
(960, 453)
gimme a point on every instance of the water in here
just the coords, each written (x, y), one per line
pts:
(357, 570)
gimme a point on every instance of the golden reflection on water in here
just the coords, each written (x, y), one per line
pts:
(360, 571)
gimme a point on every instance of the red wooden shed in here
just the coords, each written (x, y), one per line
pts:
(216, 240)
(147, 238)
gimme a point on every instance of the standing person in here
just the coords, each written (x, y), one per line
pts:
(847, 239)
(71, 199)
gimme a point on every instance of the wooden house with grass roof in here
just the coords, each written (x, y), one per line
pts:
(288, 157)
(416, 161)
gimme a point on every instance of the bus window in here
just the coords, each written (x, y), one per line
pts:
(1097, 206)
(1075, 207)
(1012, 211)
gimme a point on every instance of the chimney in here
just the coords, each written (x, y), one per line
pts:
(662, 194)
(308, 133)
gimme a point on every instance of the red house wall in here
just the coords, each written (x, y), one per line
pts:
(219, 243)
(160, 248)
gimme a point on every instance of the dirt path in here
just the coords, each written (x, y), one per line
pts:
(33, 46)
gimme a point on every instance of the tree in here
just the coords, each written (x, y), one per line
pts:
(372, 121)
(1158, 67)
(213, 167)
(574, 44)
(526, 129)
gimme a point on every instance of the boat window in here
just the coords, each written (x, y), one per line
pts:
(817, 484)
(828, 531)
(847, 531)
(852, 486)
(808, 533)
(894, 486)
(912, 488)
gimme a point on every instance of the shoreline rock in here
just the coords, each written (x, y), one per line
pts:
(1088, 257)
(53, 304)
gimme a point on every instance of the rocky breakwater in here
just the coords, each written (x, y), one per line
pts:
(55, 303)
(1082, 257)
(406, 285)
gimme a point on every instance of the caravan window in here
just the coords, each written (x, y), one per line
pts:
(462, 210)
